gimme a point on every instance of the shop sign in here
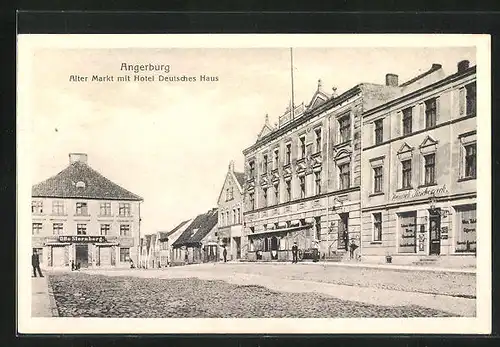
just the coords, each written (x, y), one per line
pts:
(82, 239)
(419, 192)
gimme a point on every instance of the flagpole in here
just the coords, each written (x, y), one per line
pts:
(291, 73)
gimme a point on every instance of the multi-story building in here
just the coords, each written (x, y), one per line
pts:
(230, 205)
(419, 170)
(166, 239)
(303, 175)
(80, 216)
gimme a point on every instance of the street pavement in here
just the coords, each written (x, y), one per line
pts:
(438, 293)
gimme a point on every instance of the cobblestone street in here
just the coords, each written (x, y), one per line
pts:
(262, 291)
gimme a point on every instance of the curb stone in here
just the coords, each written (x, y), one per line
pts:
(53, 304)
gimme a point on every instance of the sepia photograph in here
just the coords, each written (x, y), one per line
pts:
(254, 184)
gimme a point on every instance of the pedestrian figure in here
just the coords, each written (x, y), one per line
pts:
(353, 246)
(72, 265)
(295, 251)
(35, 262)
(224, 254)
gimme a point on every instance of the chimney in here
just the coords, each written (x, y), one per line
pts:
(391, 80)
(435, 67)
(231, 165)
(463, 65)
(78, 157)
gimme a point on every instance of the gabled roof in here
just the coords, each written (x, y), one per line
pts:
(319, 97)
(165, 235)
(266, 129)
(433, 68)
(201, 225)
(240, 177)
(66, 184)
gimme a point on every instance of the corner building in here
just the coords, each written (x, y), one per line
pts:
(419, 171)
(303, 176)
(79, 215)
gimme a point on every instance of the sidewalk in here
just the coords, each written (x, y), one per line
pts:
(369, 266)
(42, 299)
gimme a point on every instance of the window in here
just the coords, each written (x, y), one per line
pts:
(408, 232)
(471, 98)
(406, 171)
(345, 128)
(288, 188)
(264, 163)
(379, 131)
(466, 238)
(81, 209)
(345, 176)
(302, 146)
(276, 158)
(302, 181)
(105, 209)
(105, 228)
(377, 226)
(317, 132)
(124, 255)
(264, 196)
(430, 113)
(57, 228)
(238, 215)
(37, 206)
(276, 188)
(36, 228)
(252, 200)
(430, 169)
(124, 209)
(470, 160)
(407, 121)
(124, 230)
(288, 156)
(58, 207)
(234, 216)
(252, 169)
(377, 179)
(81, 229)
(317, 181)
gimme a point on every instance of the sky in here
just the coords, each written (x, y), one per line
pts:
(171, 142)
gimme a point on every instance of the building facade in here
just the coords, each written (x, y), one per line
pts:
(166, 239)
(419, 170)
(230, 206)
(303, 176)
(82, 217)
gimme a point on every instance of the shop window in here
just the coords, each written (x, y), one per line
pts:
(36, 228)
(379, 131)
(377, 227)
(408, 232)
(124, 255)
(57, 228)
(81, 229)
(82, 209)
(124, 210)
(105, 209)
(466, 237)
(105, 228)
(252, 246)
(58, 207)
(266, 244)
(37, 207)
(407, 121)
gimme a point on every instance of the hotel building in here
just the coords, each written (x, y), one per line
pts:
(419, 170)
(80, 216)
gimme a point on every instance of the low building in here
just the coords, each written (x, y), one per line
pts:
(230, 206)
(81, 216)
(419, 189)
(198, 243)
(166, 239)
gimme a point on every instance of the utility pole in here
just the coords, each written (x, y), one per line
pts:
(291, 73)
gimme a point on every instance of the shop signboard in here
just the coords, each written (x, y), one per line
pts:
(82, 239)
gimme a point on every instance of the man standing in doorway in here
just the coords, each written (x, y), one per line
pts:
(224, 254)
(35, 262)
(295, 251)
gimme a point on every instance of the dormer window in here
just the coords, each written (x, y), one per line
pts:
(80, 184)
(194, 231)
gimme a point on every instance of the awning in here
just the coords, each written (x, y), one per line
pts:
(276, 231)
(107, 244)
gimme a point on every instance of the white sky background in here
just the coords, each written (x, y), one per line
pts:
(171, 142)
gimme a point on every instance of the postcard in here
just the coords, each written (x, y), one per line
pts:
(254, 184)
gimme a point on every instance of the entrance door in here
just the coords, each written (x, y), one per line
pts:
(274, 248)
(435, 234)
(237, 241)
(343, 235)
(82, 255)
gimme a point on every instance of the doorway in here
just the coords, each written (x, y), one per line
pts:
(237, 241)
(434, 232)
(274, 248)
(82, 255)
(343, 235)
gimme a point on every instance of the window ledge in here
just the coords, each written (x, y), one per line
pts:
(81, 215)
(427, 185)
(376, 194)
(463, 179)
(375, 242)
(403, 189)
